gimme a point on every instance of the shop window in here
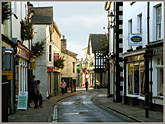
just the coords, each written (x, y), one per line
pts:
(142, 79)
(130, 78)
(160, 76)
(160, 81)
(136, 78)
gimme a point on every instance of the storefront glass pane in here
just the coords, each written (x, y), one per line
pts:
(160, 81)
(130, 78)
(136, 78)
(142, 78)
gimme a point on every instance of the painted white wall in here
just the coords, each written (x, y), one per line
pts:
(19, 9)
(132, 12)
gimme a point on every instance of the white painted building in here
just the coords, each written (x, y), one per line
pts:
(46, 30)
(135, 21)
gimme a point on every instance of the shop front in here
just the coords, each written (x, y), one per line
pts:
(156, 76)
(21, 70)
(134, 78)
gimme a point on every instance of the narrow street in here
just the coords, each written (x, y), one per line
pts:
(80, 108)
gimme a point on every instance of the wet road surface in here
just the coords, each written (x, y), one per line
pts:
(80, 108)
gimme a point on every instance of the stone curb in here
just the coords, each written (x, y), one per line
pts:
(129, 116)
(51, 115)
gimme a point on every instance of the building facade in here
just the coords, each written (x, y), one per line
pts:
(68, 73)
(47, 32)
(143, 63)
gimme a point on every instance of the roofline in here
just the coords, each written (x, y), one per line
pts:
(56, 28)
(44, 7)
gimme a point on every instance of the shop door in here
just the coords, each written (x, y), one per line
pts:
(56, 84)
(136, 78)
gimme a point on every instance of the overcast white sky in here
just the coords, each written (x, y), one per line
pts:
(76, 20)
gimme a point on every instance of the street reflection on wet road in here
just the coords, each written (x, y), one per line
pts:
(80, 108)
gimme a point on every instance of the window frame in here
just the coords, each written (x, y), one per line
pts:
(158, 23)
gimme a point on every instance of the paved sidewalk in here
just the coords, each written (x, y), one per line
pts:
(44, 114)
(134, 112)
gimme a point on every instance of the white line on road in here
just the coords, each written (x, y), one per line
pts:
(55, 114)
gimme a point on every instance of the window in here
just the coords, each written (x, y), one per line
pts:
(142, 79)
(158, 21)
(73, 67)
(136, 78)
(100, 60)
(50, 53)
(130, 78)
(160, 76)
(139, 25)
(130, 26)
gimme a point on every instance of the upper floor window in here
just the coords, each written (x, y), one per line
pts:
(130, 26)
(73, 67)
(158, 21)
(100, 60)
(139, 25)
(50, 53)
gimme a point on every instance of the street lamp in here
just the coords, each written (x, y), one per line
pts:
(111, 17)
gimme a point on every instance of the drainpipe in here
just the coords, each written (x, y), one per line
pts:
(147, 69)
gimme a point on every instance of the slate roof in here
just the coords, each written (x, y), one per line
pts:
(96, 41)
(70, 53)
(43, 15)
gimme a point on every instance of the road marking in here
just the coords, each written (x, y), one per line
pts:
(70, 113)
(55, 114)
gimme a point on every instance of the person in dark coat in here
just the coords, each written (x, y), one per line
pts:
(31, 90)
(86, 85)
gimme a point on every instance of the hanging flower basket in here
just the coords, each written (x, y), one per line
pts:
(26, 30)
(59, 63)
(38, 48)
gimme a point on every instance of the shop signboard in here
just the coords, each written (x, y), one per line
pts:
(79, 67)
(134, 39)
(49, 69)
(56, 56)
(32, 66)
(9, 74)
(69, 90)
(158, 51)
(22, 100)
(22, 53)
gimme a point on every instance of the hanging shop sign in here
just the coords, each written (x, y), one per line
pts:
(22, 53)
(134, 39)
(32, 66)
(49, 69)
(22, 100)
(9, 74)
(56, 56)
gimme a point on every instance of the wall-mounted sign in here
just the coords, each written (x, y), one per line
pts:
(49, 69)
(22, 53)
(56, 56)
(134, 39)
(158, 51)
(22, 100)
(9, 74)
(32, 66)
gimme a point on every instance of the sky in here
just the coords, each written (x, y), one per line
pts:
(76, 20)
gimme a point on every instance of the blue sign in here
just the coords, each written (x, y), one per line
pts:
(134, 39)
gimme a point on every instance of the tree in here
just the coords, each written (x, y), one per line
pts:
(6, 11)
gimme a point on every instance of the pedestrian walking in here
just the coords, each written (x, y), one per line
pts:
(63, 85)
(86, 85)
(31, 90)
